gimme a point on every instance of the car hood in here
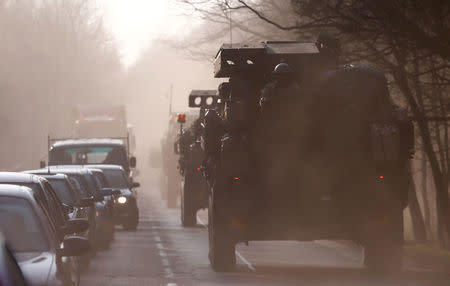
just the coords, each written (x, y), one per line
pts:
(125, 192)
(36, 266)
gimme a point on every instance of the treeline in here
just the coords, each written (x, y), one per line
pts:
(53, 54)
(409, 40)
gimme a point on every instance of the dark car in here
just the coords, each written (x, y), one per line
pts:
(102, 212)
(125, 204)
(10, 272)
(44, 252)
(75, 206)
(92, 152)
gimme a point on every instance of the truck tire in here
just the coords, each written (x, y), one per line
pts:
(188, 214)
(383, 250)
(221, 246)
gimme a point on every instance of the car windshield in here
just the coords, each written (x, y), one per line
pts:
(63, 191)
(19, 224)
(88, 155)
(116, 178)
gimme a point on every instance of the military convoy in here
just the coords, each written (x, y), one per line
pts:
(300, 148)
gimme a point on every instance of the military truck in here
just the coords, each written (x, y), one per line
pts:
(194, 194)
(170, 178)
(323, 158)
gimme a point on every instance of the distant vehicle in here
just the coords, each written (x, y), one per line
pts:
(125, 204)
(92, 152)
(195, 191)
(10, 272)
(102, 210)
(44, 252)
(98, 121)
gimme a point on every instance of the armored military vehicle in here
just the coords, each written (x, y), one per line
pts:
(170, 178)
(324, 156)
(194, 194)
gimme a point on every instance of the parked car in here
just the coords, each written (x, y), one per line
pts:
(75, 206)
(10, 273)
(125, 204)
(102, 210)
(44, 251)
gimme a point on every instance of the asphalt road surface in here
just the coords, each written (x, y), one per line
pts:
(162, 252)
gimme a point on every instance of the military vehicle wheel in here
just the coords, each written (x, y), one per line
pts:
(221, 247)
(383, 251)
(188, 214)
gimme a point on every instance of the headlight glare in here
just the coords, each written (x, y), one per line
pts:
(122, 200)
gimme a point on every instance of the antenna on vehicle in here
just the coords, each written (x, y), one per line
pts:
(170, 98)
(231, 23)
(48, 153)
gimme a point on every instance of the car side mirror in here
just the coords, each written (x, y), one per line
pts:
(67, 209)
(133, 162)
(135, 185)
(76, 225)
(87, 202)
(74, 246)
(42, 164)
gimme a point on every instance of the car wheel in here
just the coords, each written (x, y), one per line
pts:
(221, 246)
(132, 221)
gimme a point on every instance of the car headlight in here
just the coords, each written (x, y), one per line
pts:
(122, 200)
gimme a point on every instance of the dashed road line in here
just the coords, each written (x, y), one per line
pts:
(165, 262)
(162, 253)
(238, 254)
(157, 238)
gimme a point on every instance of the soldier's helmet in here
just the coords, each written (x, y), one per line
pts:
(224, 90)
(282, 70)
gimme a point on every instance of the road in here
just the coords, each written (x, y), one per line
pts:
(162, 252)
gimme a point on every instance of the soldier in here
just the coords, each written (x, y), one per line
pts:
(282, 85)
(224, 96)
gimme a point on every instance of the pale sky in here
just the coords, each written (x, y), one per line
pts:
(135, 23)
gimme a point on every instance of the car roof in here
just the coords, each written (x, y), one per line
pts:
(57, 176)
(14, 177)
(91, 142)
(7, 190)
(64, 169)
(105, 167)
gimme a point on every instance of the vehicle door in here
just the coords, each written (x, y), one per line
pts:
(55, 235)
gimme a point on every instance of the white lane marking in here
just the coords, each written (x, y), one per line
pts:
(162, 253)
(157, 239)
(165, 262)
(168, 273)
(159, 246)
(238, 254)
(171, 284)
